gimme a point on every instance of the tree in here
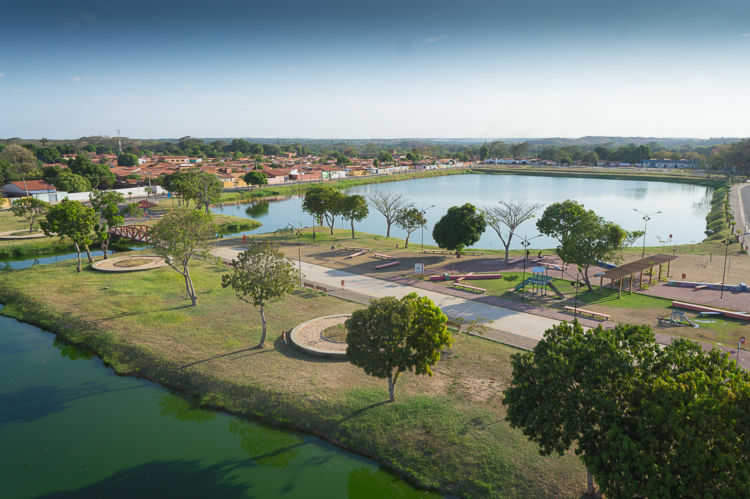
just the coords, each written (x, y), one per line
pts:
(388, 204)
(206, 188)
(126, 159)
(410, 219)
(29, 208)
(180, 235)
(385, 157)
(71, 182)
(461, 226)
(19, 160)
(511, 215)
(72, 220)
(105, 203)
(646, 421)
(48, 155)
(99, 175)
(255, 178)
(392, 336)
(353, 208)
(261, 275)
(585, 238)
(323, 202)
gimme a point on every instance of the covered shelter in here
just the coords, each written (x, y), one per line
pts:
(630, 269)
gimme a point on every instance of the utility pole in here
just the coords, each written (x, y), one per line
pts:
(119, 142)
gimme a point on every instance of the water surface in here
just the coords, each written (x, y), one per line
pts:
(683, 206)
(70, 428)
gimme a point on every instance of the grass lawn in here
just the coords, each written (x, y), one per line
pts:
(447, 431)
(30, 248)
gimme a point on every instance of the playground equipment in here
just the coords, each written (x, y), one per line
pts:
(677, 319)
(743, 316)
(539, 282)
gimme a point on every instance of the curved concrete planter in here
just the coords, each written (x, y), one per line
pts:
(8, 237)
(110, 264)
(308, 337)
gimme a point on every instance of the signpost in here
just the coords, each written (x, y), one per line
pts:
(740, 342)
(419, 268)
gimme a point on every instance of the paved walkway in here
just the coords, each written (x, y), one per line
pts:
(739, 199)
(515, 328)
(503, 320)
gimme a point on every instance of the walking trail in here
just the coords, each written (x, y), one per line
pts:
(511, 327)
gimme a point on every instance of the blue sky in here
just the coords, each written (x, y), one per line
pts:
(352, 69)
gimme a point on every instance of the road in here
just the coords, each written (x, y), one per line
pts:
(502, 319)
(740, 202)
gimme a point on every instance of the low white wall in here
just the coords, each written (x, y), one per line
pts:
(136, 192)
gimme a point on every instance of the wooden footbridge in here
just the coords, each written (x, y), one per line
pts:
(139, 233)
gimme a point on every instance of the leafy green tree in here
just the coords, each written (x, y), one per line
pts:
(646, 421)
(585, 238)
(126, 159)
(99, 175)
(19, 162)
(206, 188)
(518, 149)
(180, 235)
(29, 208)
(410, 219)
(388, 204)
(385, 157)
(261, 275)
(71, 220)
(131, 210)
(65, 180)
(511, 215)
(462, 226)
(392, 336)
(105, 203)
(323, 202)
(353, 208)
(48, 155)
(255, 178)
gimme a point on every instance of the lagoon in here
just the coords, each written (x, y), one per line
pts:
(70, 427)
(683, 206)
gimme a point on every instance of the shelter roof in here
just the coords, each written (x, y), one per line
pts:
(638, 265)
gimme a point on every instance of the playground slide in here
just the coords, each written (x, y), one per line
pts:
(556, 291)
(522, 284)
(686, 319)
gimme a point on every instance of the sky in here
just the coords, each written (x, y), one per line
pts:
(389, 69)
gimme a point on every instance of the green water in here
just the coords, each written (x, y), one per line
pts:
(70, 428)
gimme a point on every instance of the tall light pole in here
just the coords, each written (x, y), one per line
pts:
(726, 242)
(299, 252)
(525, 243)
(423, 212)
(646, 217)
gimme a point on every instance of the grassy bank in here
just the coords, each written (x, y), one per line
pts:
(30, 248)
(296, 189)
(446, 432)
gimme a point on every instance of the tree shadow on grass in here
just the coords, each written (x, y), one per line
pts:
(178, 478)
(131, 314)
(287, 349)
(362, 410)
(238, 354)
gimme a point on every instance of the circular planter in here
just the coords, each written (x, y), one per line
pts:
(129, 263)
(8, 235)
(308, 337)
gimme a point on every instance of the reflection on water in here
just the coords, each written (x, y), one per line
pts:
(683, 207)
(256, 210)
(71, 428)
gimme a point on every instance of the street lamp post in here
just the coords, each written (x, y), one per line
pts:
(724, 275)
(299, 252)
(525, 243)
(422, 231)
(646, 217)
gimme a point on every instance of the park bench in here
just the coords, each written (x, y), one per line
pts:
(435, 252)
(386, 265)
(474, 253)
(355, 248)
(314, 287)
(358, 253)
(466, 287)
(380, 255)
(590, 313)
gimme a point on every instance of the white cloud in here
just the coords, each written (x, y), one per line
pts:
(41, 104)
(433, 39)
(76, 78)
(20, 90)
(87, 77)
(2, 75)
(745, 34)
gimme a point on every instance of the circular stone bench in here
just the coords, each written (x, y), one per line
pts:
(308, 337)
(8, 235)
(111, 264)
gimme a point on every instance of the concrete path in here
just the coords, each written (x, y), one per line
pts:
(501, 319)
(739, 199)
